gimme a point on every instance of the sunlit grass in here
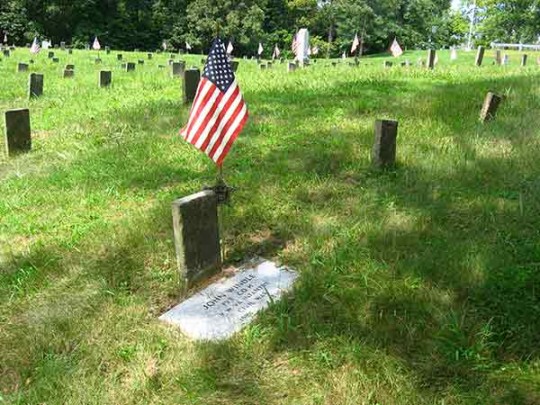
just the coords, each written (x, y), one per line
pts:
(418, 285)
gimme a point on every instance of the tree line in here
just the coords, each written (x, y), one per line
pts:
(147, 24)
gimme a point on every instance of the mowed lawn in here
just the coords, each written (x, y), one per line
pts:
(419, 285)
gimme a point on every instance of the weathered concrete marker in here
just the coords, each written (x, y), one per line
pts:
(291, 67)
(498, 58)
(178, 68)
(130, 67)
(479, 56)
(196, 236)
(384, 147)
(234, 65)
(18, 137)
(35, 85)
(191, 82)
(68, 73)
(524, 60)
(489, 109)
(105, 78)
(22, 67)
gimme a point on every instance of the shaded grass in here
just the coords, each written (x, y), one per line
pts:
(418, 285)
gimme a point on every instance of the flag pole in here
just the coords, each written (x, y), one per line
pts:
(220, 215)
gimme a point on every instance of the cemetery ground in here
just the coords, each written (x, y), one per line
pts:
(418, 285)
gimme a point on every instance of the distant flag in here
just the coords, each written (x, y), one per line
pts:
(96, 45)
(35, 46)
(309, 51)
(395, 49)
(260, 50)
(344, 56)
(45, 44)
(5, 38)
(294, 46)
(276, 53)
(188, 46)
(230, 48)
(355, 44)
(218, 113)
(164, 45)
(315, 50)
(453, 54)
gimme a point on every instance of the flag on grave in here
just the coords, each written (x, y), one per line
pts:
(219, 112)
(395, 49)
(344, 55)
(230, 48)
(96, 45)
(294, 46)
(276, 53)
(355, 44)
(453, 54)
(5, 38)
(315, 50)
(188, 46)
(164, 45)
(35, 46)
(260, 50)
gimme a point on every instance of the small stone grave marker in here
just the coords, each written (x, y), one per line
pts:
(97, 61)
(63, 45)
(149, 56)
(18, 137)
(234, 65)
(50, 55)
(130, 67)
(70, 67)
(22, 67)
(140, 62)
(55, 60)
(6, 53)
(524, 60)
(35, 85)
(387, 64)
(178, 68)
(68, 73)
(479, 56)
(291, 67)
(432, 53)
(70, 51)
(384, 147)
(119, 56)
(490, 107)
(226, 306)
(191, 82)
(105, 78)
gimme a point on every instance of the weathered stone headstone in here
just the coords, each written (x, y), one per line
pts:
(55, 60)
(178, 68)
(70, 67)
(489, 109)
(136, 50)
(140, 62)
(35, 85)
(123, 66)
(384, 147)
(149, 56)
(6, 53)
(479, 56)
(291, 67)
(119, 56)
(68, 73)
(387, 64)
(196, 236)
(87, 47)
(18, 137)
(22, 67)
(334, 64)
(432, 53)
(506, 59)
(226, 306)
(130, 67)
(302, 43)
(234, 65)
(107, 50)
(105, 78)
(63, 45)
(524, 60)
(50, 55)
(191, 82)
(97, 61)
(262, 66)
(498, 59)
(70, 51)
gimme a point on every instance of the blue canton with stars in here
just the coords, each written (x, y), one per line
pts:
(218, 68)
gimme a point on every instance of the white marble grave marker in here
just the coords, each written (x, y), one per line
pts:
(224, 307)
(303, 46)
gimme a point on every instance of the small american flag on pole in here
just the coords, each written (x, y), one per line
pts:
(395, 49)
(35, 46)
(219, 113)
(355, 43)
(96, 45)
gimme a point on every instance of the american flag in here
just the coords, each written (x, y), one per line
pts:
(276, 53)
(260, 50)
(5, 38)
(96, 46)
(395, 49)
(218, 113)
(355, 43)
(188, 46)
(294, 46)
(230, 48)
(35, 46)
(315, 50)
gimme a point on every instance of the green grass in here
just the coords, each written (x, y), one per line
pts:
(419, 285)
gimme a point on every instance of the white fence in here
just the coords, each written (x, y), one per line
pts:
(519, 47)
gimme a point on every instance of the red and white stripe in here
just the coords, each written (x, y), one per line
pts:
(215, 120)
